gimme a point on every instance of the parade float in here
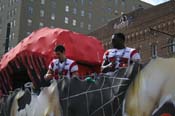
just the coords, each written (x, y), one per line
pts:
(29, 59)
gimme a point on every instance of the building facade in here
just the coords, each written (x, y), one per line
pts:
(26, 16)
(8, 16)
(151, 31)
(84, 16)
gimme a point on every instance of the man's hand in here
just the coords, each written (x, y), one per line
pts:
(107, 66)
(48, 76)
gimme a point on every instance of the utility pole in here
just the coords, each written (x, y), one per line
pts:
(7, 37)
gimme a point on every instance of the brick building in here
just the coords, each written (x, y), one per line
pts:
(83, 16)
(150, 31)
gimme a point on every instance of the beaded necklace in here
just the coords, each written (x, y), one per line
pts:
(61, 68)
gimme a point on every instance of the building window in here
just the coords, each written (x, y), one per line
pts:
(14, 23)
(116, 12)
(123, 5)
(171, 46)
(15, 10)
(41, 24)
(53, 5)
(0, 25)
(13, 35)
(41, 13)
(90, 2)
(42, 2)
(29, 22)
(82, 2)
(52, 26)
(110, 10)
(82, 13)
(10, 2)
(3, 7)
(30, 10)
(133, 8)
(90, 15)
(102, 19)
(154, 50)
(9, 48)
(89, 26)
(74, 22)
(66, 20)
(75, 11)
(28, 33)
(10, 37)
(9, 14)
(13, 1)
(81, 24)
(52, 16)
(0, 29)
(75, 2)
(66, 8)
(116, 2)
(11, 24)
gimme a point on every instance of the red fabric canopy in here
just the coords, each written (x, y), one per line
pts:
(84, 49)
(79, 47)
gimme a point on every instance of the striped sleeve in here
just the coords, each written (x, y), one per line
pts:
(105, 56)
(73, 67)
(135, 55)
(51, 65)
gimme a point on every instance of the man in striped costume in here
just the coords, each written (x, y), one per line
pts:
(119, 56)
(61, 66)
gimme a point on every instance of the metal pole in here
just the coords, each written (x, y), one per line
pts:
(7, 38)
(162, 32)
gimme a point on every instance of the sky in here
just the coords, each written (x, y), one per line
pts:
(155, 2)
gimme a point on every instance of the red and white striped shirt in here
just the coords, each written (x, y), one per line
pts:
(121, 57)
(63, 68)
